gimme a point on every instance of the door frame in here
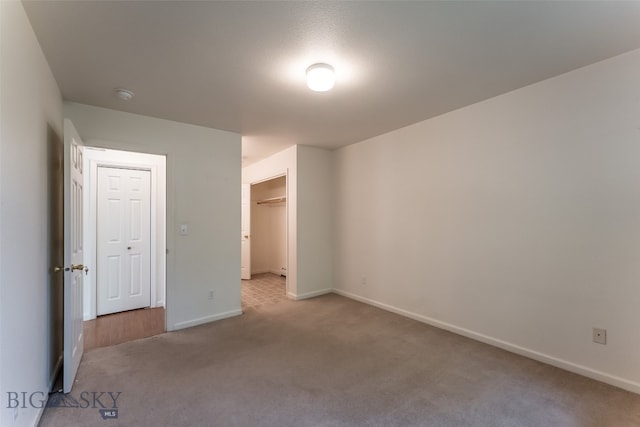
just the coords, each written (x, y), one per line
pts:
(288, 283)
(245, 233)
(156, 164)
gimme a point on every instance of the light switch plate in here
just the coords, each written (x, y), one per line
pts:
(184, 229)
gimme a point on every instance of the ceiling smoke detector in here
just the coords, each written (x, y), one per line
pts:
(124, 94)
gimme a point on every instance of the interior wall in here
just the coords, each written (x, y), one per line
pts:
(203, 181)
(30, 121)
(515, 221)
(269, 227)
(309, 215)
(315, 221)
(282, 163)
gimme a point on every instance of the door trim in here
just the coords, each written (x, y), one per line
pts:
(290, 283)
(245, 231)
(156, 164)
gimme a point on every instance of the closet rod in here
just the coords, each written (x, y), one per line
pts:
(272, 200)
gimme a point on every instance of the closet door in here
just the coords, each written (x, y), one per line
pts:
(124, 240)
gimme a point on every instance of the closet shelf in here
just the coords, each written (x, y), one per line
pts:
(272, 200)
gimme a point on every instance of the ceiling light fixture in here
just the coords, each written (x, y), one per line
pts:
(124, 94)
(320, 77)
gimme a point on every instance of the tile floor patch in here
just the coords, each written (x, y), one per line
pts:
(265, 288)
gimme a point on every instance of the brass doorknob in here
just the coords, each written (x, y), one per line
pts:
(59, 268)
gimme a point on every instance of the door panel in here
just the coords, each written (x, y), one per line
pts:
(245, 245)
(123, 240)
(73, 255)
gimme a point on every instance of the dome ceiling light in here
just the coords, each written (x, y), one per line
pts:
(320, 77)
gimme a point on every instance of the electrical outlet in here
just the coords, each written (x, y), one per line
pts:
(600, 336)
(363, 281)
(210, 294)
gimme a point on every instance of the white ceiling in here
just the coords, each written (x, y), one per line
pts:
(239, 66)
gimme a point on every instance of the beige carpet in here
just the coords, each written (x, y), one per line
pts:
(331, 361)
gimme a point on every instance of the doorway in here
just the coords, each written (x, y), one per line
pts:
(268, 243)
(131, 262)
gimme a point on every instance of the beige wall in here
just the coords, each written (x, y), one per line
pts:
(309, 215)
(203, 191)
(31, 121)
(315, 221)
(282, 163)
(515, 220)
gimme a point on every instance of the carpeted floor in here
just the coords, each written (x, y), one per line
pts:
(329, 361)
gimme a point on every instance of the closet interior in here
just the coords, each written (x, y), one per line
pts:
(269, 227)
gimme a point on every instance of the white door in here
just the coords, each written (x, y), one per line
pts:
(245, 270)
(123, 240)
(73, 261)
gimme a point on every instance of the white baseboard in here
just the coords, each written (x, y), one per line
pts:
(206, 319)
(266, 270)
(298, 297)
(622, 383)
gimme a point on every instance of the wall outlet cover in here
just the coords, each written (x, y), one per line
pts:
(600, 336)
